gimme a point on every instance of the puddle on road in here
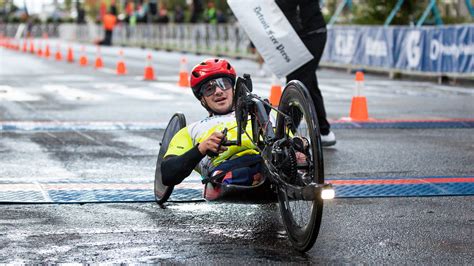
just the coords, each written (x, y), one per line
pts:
(234, 233)
(202, 208)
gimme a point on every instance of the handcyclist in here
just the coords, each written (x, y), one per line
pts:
(198, 146)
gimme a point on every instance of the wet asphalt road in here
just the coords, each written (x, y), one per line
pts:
(432, 230)
(401, 230)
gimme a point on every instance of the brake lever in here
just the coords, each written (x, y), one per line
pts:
(224, 132)
(223, 142)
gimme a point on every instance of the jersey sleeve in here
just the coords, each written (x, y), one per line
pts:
(180, 143)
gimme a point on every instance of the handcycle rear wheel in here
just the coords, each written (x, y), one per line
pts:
(162, 192)
(301, 218)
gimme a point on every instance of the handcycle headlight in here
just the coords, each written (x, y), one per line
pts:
(327, 192)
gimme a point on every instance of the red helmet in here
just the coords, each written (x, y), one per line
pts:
(210, 69)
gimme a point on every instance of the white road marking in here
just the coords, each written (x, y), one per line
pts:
(71, 94)
(139, 93)
(142, 143)
(173, 88)
(171, 79)
(44, 192)
(28, 159)
(108, 70)
(7, 93)
(45, 126)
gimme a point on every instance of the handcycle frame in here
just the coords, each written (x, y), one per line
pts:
(246, 103)
(302, 186)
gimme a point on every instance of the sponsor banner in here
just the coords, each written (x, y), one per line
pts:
(447, 49)
(342, 44)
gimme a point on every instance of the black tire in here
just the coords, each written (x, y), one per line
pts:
(301, 218)
(162, 192)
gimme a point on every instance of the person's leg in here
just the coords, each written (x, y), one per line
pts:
(307, 75)
(111, 35)
(317, 43)
(108, 37)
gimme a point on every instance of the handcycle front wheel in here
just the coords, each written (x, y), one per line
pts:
(162, 192)
(301, 218)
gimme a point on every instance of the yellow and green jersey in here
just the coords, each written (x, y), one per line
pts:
(190, 136)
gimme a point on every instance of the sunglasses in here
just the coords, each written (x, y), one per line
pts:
(209, 88)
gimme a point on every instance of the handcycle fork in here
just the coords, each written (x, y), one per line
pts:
(309, 192)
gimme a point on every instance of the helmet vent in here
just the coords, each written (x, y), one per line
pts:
(196, 74)
(203, 63)
(216, 60)
(228, 66)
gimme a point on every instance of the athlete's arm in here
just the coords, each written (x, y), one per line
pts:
(175, 168)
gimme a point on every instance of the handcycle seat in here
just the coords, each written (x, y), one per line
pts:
(241, 179)
(256, 193)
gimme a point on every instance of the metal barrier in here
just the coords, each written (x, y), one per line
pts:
(377, 48)
(223, 39)
(33, 30)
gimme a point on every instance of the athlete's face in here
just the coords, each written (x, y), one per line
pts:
(218, 95)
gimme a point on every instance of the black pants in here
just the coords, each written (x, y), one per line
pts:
(107, 39)
(307, 75)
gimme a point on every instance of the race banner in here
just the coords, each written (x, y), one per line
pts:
(272, 34)
(446, 49)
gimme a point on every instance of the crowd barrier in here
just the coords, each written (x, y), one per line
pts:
(440, 50)
(222, 39)
(33, 30)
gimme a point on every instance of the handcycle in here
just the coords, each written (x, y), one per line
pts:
(298, 183)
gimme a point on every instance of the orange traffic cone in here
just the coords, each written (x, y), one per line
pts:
(32, 46)
(83, 59)
(359, 110)
(149, 72)
(58, 55)
(98, 60)
(183, 73)
(47, 52)
(70, 55)
(275, 92)
(25, 46)
(121, 68)
(40, 51)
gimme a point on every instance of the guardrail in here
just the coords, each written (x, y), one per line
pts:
(433, 51)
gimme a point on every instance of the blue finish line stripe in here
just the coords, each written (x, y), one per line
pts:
(404, 124)
(7, 126)
(143, 192)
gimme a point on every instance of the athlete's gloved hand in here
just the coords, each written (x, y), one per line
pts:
(211, 145)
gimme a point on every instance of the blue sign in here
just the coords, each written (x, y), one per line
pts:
(447, 49)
